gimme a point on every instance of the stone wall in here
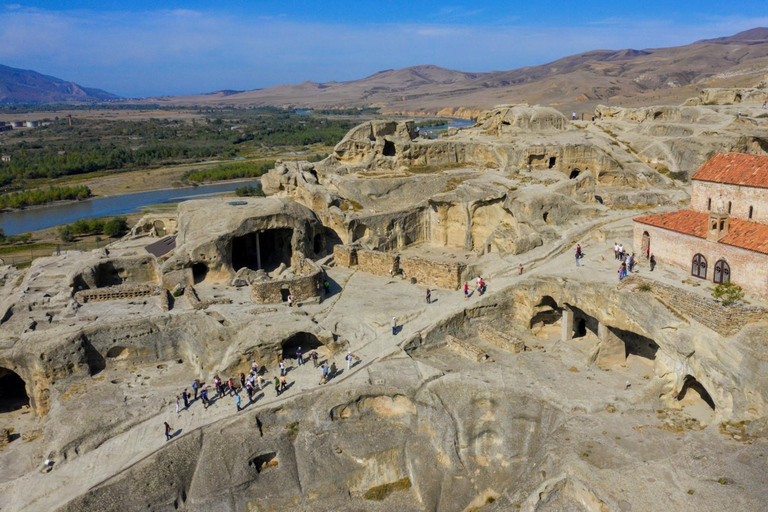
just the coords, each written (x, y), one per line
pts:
(741, 199)
(725, 320)
(123, 291)
(466, 349)
(749, 269)
(306, 285)
(501, 339)
(433, 273)
(427, 272)
(345, 255)
(378, 263)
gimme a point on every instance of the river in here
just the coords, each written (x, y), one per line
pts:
(34, 219)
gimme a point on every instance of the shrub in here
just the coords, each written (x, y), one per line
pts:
(728, 293)
(250, 190)
(66, 234)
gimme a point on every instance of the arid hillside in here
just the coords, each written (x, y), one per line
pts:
(619, 77)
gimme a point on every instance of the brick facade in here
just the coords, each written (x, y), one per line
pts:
(749, 269)
(741, 198)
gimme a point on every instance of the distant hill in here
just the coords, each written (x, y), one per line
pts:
(26, 86)
(579, 82)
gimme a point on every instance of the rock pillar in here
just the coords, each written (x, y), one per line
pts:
(567, 324)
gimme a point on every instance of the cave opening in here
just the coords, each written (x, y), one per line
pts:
(108, 275)
(13, 391)
(636, 344)
(389, 148)
(199, 272)
(552, 162)
(691, 384)
(266, 249)
(574, 174)
(547, 313)
(317, 243)
(307, 341)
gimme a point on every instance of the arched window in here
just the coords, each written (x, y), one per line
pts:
(709, 203)
(722, 272)
(699, 266)
(751, 211)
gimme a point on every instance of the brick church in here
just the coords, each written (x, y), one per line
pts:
(724, 235)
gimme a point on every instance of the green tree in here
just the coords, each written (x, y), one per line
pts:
(66, 234)
(728, 293)
(116, 227)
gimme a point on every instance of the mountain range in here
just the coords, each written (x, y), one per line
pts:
(27, 86)
(618, 77)
(625, 77)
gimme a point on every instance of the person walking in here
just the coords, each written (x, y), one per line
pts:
(178, 404)
(466, 291)
(349, 359)
(429, 296)
(322, 375)
(313, 356)
(242, 380)
(615, 250)
(393, 324)
(632, 262)
(261, 382)
(298, 356)
(167, 431)
(249, 389)
(254, 366)
(237, 402)
(621, 251)
(332, 371)
(578, 255)
(204, 397)
(519, 269)
(195, 385)
(277, 386)
(281, 365)
(653, 262)
(185, 396)
(282, 384)
(232, 389)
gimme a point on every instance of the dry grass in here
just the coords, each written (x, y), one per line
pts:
(380, 492)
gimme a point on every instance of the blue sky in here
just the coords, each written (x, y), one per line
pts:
(143, 48)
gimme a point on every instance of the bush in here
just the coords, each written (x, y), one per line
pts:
(250, 190)
(728, 293)
(66, 234)
(116, 227)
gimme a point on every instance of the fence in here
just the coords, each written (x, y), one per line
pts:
(25, 255)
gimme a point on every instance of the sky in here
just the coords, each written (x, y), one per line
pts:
(150, 48)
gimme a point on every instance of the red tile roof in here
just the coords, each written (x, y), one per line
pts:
(741, 233)
(735, 169)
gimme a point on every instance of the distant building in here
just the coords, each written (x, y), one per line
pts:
(31, 124)
(724, 235)
(4, 127)
(6, 158)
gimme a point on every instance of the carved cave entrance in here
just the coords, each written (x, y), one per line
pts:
(574, 174)
(199, 272)
(13, 391)
(307, 341)
(692, 392)
(265, 249)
